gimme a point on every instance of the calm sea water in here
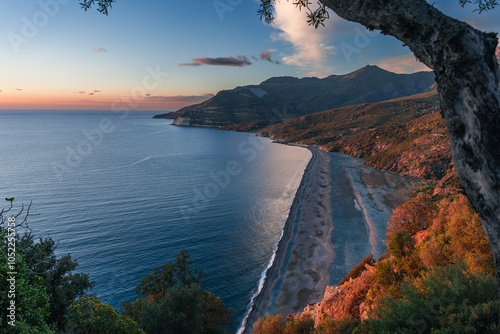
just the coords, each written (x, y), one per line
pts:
(123, 196)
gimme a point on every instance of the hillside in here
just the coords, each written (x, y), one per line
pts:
(282, 98)
(405, 135)
(437, 275)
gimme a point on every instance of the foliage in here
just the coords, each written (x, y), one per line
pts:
(358, 269)
(45, 284)
(411, 217)
(315, 17)
(62, 285)
(184, 309)
(32, 301)
(270, 325)
(302, 324)
(102, 5)
(88, 316)
(345, 325)
(445, 300)
(482, 5)
(168, 275)
(173, 301)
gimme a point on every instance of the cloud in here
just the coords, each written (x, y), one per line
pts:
(99, 50)
(402, 64)
(19, 89)
(309, 44)
(238, 61)
(267, 55)
(92, 92)
(179, 98)
(190, 64)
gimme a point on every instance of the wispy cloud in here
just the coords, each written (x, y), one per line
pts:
(190, 64)
(18, 89)
(92, 92)
(238, 61)
(310, 45)
(267, 55)
(402, 64)
(99, 50)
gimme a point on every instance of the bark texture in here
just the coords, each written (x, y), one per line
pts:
(467, 74)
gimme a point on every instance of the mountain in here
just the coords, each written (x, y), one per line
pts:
(497, 53)
(282, 98)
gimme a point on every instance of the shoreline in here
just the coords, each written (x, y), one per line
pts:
(256, 298)
(338, 216)
(287, 289)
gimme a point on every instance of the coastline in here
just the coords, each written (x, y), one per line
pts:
(338, 216)
(263, 283)
(293, 281)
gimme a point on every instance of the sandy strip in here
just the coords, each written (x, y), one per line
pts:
(362, 200)
(299, 274)
(338, 216)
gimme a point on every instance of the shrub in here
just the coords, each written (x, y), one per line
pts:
(457, 233)
(89, 316)
(272, 324)
(358, 269)
(444, 298)
(174, 302)
(345, 325)
(411, 217)
(303, 324)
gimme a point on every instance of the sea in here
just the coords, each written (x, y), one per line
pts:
(124, 193)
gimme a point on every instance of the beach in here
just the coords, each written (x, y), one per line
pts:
(338, 216)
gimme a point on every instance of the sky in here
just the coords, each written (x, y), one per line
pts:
(163, 55)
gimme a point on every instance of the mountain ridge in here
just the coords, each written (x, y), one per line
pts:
(280, 98)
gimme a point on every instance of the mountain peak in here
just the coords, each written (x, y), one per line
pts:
(367, 70)
(287, 97)
(279, 80)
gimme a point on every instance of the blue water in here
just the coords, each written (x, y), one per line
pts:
(124, 194)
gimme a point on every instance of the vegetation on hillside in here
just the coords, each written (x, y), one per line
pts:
(41, 294)
(437, 275)
(406, 135)
(173, 301)
(36, 287)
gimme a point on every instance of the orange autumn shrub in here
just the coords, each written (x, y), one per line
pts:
(272, 324)
(412, 216)
(457, 234)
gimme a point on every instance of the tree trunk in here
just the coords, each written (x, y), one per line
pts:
(467, 75)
